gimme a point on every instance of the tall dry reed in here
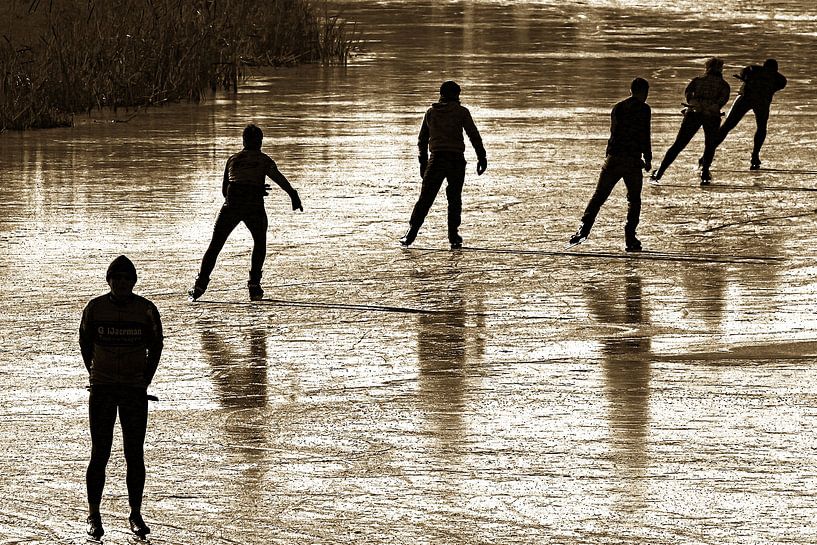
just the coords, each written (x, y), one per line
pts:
(78, 55)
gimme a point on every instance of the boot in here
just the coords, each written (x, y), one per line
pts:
(138, 526)
(256, 293)
(632, 244)
(409, 237)
(455, 239)
(198, 288)
(95, 529)
(579, 237)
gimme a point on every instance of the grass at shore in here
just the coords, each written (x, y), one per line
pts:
(63, 57)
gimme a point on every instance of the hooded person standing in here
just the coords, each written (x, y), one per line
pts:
(121, 341)
(760, 83)
(441, 135)
(705, 96)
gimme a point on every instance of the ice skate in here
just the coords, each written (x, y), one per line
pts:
(576, 239)
(408, 238)
(456, 241)
(655, 179)
(197, 290)
(706, 177)
(138, 526)
(194, 293)
(95, 530)
(256, 293)
(755, 163)
(632, 244)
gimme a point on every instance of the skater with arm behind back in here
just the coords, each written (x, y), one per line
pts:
(441, 135)
(629, 150)
(121, 342)
(760, 83)
(705, 96)
(244, 188)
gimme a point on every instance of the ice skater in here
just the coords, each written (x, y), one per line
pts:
(760, 83)
(121, 341)
(244, 188)
(441, 134)
(629, 142)
(705, 96)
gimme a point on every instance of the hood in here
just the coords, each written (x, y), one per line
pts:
(121, 265)
(449, 104)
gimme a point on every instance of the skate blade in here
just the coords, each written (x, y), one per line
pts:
(573, 244)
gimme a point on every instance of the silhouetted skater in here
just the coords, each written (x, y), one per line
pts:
(441, 134)
(244, 188)
(705, 96)
(760, 83)
(121, 340)
(629, 142)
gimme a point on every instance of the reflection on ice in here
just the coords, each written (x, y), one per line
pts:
(509, 392)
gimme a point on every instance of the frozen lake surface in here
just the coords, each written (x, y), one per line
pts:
(512, 392)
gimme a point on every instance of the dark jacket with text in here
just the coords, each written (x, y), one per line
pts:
(121, 342)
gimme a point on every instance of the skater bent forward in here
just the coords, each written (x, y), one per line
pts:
(441, 134)
(705, 96)
(244, 190)
(760, 83)
(629, 142)
(121, 340)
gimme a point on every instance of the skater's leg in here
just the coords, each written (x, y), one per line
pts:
(634, 182)
(101, 417)
(739, 108)
(256, 221)
(711, 125)
(432, 181)
(689, 126)
(133, 416)
(762, 120)
(227, 220)
(453, 193)
(608, 178)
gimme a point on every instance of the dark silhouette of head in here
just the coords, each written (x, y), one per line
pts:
(714, 65)
(770, 64)
(252, 137)
(449, 90)
(121, 277)
(639, 88)
(121, 266)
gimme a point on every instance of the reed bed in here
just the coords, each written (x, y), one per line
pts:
(59, 58)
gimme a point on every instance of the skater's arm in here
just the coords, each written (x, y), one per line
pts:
(422, 139)
(747, 72)
(473, 135)
(86, 340)
(646, 143)
(278, 177)
(226, 181)
(476, 141)
(689, 92)
(155, 344)
(780, 81)
(723, 98)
